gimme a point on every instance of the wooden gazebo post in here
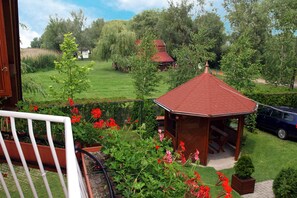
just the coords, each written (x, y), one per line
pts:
(239, 135)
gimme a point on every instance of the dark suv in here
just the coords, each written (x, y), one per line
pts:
(280, 120)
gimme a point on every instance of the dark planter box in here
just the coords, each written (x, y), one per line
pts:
(243, 186)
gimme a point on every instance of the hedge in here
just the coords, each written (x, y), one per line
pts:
(275, 99)
(141, 110)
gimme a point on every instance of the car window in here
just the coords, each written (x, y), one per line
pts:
(276, 114)
(264, 110)
(288, 117)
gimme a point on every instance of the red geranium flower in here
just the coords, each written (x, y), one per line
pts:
(75, 111)
(157, 147)
(182, 146)
(96, 113)
(71, 102)
(99, 124)
(35, 108)
(159, 161)
(112, 123)
(75, 118)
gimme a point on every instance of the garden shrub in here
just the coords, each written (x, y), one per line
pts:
(285, 183)
(149, 111)
(250, 122)
(244, 167)
(121, 63)
(41, 62)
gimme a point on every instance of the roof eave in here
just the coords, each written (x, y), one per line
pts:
(206, 115)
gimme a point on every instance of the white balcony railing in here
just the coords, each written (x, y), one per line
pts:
(75, 183)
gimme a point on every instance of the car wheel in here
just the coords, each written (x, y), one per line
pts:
(282, 134)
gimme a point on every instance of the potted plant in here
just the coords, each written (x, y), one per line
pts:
(242, 182)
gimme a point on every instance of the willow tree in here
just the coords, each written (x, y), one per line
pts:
(115, 39)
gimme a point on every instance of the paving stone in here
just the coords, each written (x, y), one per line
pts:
(262, 190)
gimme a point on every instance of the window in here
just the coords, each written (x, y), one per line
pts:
(264, 110)
(288, 117)
(276, 114)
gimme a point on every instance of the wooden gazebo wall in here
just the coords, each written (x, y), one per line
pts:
(195, 132)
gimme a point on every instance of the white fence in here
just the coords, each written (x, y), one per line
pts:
(75, 183)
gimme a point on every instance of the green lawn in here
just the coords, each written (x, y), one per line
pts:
(52, 178)
(105, 83)
(269, 154)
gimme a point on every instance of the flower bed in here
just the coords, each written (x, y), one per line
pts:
(149, 168)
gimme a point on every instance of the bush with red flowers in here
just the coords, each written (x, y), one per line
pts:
(87, 131)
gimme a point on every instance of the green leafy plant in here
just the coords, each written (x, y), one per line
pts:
(285, 183)
(72, 78)
(41, 63)
(144, 70)
(152, 169)
(250, 122)
(244, 167)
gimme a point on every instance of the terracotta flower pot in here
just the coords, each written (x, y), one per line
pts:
(243, 186)
(44, 151)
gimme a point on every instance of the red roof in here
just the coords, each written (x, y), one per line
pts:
(159, 43)
(162, 57)
(206, 96)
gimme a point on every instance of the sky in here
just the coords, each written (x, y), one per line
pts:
(35, 14)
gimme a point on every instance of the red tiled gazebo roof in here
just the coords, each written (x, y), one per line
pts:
(162, 57)
(206, 96)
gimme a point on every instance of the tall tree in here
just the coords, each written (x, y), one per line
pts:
(145, 23)
(115, 39)
(214, 29)
(54, 33)
(282, 45)
(36, 43)
(249, 17)
(76, 25)
(144, 70)
(280, 67)
(175, 24)
(191, 59)
(92, 33)
(239, 65)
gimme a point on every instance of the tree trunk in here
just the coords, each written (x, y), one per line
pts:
(293, 79)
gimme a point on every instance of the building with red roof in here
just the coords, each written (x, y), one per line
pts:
(198, 113)
(161, 57)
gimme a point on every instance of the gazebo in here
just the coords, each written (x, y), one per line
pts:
(199, 112)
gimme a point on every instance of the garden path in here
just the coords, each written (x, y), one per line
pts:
(262, 189)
